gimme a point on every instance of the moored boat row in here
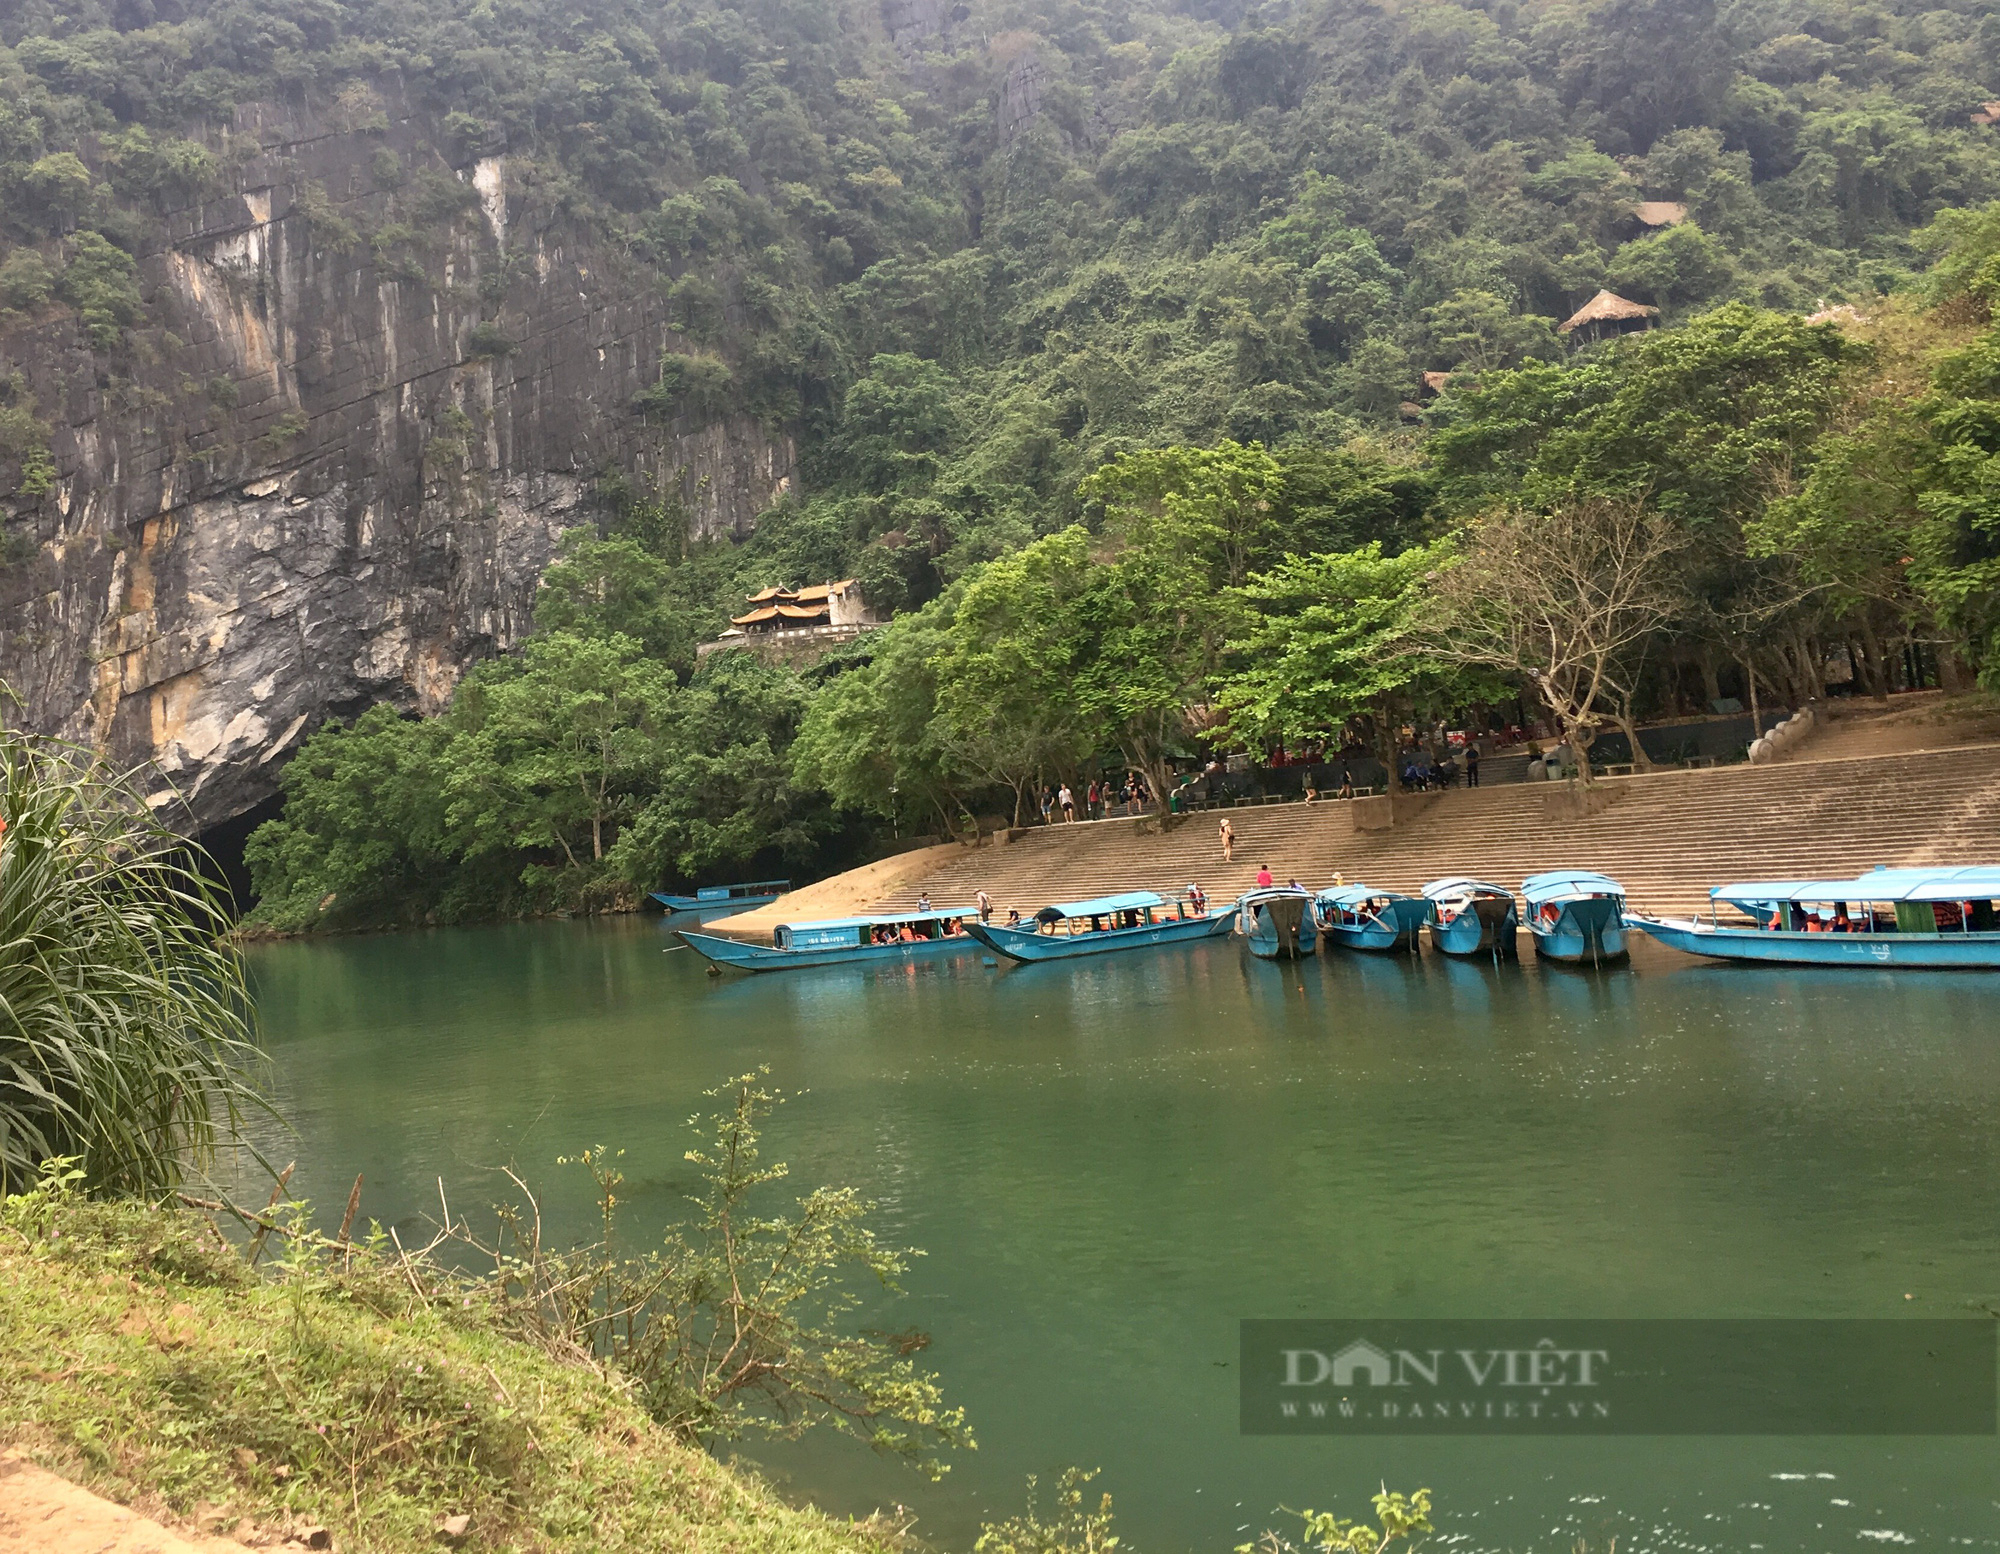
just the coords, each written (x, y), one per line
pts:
(1891, 917)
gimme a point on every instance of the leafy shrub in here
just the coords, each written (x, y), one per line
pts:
(489, 340)
(437, 199)
(125, 1026)
(102, 282)
(26, 281)
(330, 229)
(58, 186)
(694, 385)
(24, 438)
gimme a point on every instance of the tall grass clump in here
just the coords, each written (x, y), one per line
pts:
(125, 1024)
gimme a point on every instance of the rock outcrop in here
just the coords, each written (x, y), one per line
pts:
(329, 468)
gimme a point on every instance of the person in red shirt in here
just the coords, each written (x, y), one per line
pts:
(1263, 876)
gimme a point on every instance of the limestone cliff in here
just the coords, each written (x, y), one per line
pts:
(329, 466)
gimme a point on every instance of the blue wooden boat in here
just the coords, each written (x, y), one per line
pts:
(1887, 917)
(734, 897)
(1472, 917)
(844, 941)
(1133, 920)
(1360, 917)
(1576, 916)
(1278, 923)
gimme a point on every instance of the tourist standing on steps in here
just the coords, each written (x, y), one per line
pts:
(1228, 841)
(923, 901)
(1263, 876)
(1048, 802)
(1198, 900)
(1067, 800)
(1471, 764)
(985, 903)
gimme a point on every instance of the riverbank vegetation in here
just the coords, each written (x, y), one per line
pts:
(125, 1026)
(371, 1399)
(1135, 315)
(1750, 504)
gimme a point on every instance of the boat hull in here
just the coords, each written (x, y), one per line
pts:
(1589, 932)
(1021, 945)
(1400, 935)
(696, 904)
(739, 956)
(1281, 929)
(1481, 928)
(1964, 951)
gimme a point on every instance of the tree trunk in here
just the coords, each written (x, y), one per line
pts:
(1756, 712)
(1711, 680)
(1579, 735)
(1954, 673)
(1640, 760)
(1806, 655)
(1878, 668)
(1385, 752)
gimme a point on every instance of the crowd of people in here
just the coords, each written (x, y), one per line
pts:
(1101, 797)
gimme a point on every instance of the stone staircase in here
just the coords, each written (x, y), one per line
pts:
(1909, 721)
(1667, 837)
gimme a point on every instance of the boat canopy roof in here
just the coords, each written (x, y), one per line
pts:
(1978, 883)
(1464, 885)
(873, 919)
(1354, 895)
(1271, 893)
(1101, 906)
(1558, 883)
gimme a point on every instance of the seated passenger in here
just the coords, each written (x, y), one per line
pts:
(908, 935)
(1840, 922)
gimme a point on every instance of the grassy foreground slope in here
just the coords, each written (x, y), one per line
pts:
(142, 1358)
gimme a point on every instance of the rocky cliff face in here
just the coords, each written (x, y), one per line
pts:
(330, 466)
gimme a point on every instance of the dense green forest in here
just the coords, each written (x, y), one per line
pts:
(1103, 329)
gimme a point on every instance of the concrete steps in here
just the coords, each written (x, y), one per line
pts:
(1667, 837)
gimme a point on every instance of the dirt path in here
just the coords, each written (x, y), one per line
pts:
(43, 1514)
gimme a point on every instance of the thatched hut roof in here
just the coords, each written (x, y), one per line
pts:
(1436, 381)
(1605, 308)
(1989, 114)
(1660, 213)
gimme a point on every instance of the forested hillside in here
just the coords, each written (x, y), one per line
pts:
(970, 255)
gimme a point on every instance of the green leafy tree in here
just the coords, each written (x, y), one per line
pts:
(721, 789)
(557, 750)
(615, 586)
(363, 835)
(1336, 640)
(1006, 671)
(873, 738)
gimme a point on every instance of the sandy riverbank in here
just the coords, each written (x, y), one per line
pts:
(844, 895)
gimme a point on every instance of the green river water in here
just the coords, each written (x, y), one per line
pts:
(1110, 1164)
